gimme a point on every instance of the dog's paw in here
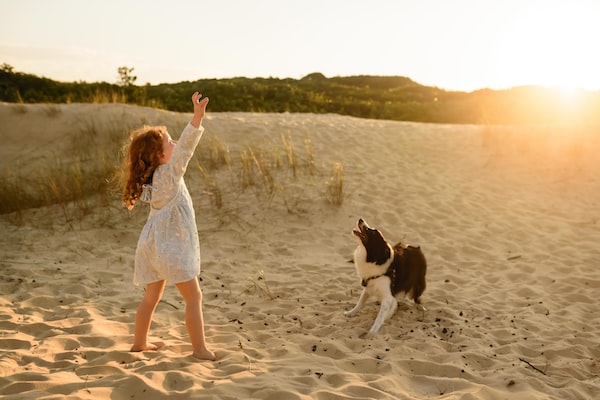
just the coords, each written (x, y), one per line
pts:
(367, 335)
(350, 313)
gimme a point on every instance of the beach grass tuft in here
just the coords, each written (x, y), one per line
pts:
(88, 167)
(335, 186)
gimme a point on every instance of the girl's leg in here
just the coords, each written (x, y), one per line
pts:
(194, 321)
(143, 317)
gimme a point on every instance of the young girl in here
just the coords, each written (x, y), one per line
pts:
(168, 248)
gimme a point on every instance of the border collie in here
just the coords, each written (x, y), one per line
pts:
(386, 271)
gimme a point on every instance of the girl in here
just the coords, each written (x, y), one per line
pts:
(168, 248)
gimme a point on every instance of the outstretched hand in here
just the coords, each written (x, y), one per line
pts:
(199, 108)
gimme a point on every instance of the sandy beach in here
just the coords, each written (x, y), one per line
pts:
(509, 220)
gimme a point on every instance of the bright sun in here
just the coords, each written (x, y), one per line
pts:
(550, 45)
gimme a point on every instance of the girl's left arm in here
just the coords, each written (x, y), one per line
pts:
(199, 109)
(184, 149)
(186, 145)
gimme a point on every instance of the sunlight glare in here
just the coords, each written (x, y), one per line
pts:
(549, 45)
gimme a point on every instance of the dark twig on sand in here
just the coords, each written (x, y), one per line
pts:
(532, 366)
(172, 305)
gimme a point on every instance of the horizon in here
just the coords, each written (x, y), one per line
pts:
(565, 90)
(467, 45)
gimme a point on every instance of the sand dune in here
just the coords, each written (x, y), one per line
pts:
(509, 223)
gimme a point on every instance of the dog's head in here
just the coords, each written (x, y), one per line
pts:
(377, 249)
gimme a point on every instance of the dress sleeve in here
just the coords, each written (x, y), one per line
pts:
(184, 150)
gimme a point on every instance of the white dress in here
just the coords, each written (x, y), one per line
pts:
(168, 247)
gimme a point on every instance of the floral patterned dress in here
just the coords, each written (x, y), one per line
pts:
(168, 247)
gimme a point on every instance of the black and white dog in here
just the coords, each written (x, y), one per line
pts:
(386, 271)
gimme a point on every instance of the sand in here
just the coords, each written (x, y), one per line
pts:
(509, 222)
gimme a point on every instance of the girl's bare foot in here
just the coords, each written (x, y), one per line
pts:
(148, 347)
(205, 355)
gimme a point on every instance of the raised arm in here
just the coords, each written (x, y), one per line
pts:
(186, 145)
(199, 109)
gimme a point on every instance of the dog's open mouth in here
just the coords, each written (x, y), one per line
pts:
(361, 229)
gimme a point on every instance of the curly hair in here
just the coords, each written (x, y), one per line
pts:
(142, 157)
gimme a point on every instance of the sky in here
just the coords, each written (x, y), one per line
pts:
(452, 44)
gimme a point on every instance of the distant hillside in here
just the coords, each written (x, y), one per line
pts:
(378, 97)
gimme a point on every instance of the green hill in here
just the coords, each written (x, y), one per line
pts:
(378, 97)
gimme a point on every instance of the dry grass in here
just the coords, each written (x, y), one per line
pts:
(310, 155)
(264, 170)
(52, 110)
(19, 108)
(107, 96)
(82, 170)
(335, 186)
(212, 189)
(214, 153)
(261, 167)
(288, 146)
(260, 286)
(86, 170)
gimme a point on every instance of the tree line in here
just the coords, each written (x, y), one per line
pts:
(378, 97)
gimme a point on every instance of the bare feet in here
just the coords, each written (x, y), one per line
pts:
(148, 347)
(205, 355)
